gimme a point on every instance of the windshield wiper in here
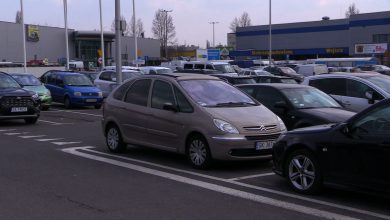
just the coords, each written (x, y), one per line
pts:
(224, 104)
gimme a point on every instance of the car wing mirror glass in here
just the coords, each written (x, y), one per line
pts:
(170, 107)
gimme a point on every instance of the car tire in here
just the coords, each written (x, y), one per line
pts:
(114, 139)
(98, 106)
(303, 172)
(198, 152)
(67, 102)
(31, 121)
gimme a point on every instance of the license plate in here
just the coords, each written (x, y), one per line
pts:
(264, 145)
(91, 100)
(19, 109)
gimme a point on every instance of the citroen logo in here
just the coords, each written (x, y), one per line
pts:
(263, 128)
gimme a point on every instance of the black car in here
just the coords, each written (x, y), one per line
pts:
(274, 79)
(284, 71)
(298, 105)
(234, 79)
(17, 103)
(353, 154)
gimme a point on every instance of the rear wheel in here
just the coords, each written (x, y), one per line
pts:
(198, 152)
(67, 103)
(303, 172)
(114, 139)
(31, 120)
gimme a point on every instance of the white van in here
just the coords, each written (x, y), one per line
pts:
(312, 69)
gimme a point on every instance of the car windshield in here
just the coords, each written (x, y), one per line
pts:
(129, 75)
(215, 93)
(77, 80)
(7, 82)
(382, 82)
(290, 81)
(162, 71)
(303, 98)
(27, 80)
(288, 70)
(225, 68)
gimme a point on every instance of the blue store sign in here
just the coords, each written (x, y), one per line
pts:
(214, 54)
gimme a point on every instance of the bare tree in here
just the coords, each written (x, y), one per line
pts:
(352, 10)
(126, 32)
(163, 29)
(18, 17)
(139, 28)
(243, 21)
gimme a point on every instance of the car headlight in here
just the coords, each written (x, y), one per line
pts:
(77, 93)
(225, 126)
(100, 94)
(35, 96)
(282, 126)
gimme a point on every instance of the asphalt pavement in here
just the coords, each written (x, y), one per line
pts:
(60, 168)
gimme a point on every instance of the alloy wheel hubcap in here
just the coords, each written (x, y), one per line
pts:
(112, 138)
(301, 172)
(198, 152)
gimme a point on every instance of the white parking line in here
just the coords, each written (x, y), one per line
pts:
(32, 136)
(210, 186)
(65, 143)
(4, 130)
(294, 196)
(16, 133)
(74, 112)
(54, 123)
(51, 139)
(251, 176)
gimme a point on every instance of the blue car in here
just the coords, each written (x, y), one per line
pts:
(72, 89)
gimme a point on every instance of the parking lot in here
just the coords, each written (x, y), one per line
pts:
(62, 167)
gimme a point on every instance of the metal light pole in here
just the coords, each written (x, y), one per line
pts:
(23, 37)
(213, 23)
(66, 33)
(101, 33)
(118, 58)
(270, 36)
(135, 36)
(166, 32)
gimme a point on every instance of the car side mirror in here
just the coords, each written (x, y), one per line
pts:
(345, 129)
(281, 105)
(170, 107)
(371, 96)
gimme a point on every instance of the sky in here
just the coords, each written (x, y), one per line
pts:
(191, 17)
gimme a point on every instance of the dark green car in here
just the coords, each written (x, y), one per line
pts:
(30, 82)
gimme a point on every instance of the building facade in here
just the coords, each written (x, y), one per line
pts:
(48, 43)
(324, 38)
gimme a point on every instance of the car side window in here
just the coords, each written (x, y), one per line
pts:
(268, 96)
(105, 76)
(209, 67)
(161, 94)
(248, 90)
(332, 86)
(139, 92)
(187, 66)
(374, 123)
(199, 66)
(121, 91)
(357, 89)
(182, 102)
(59, 81)
(51, 79)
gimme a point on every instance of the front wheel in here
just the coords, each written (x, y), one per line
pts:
(67, 102)
(114, 139)
(198, 152)
(303, 172)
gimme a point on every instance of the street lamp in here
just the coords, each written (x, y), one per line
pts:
(166, 32)
(23, 37)
(270, 36)
(135, 36)
(66, 33)
(213, 23)
(118, 58)
(101, 33)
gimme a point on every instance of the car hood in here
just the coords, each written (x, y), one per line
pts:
(312, 129)
(241, 117)
(15, 92)
(38, 89)
(329, 115)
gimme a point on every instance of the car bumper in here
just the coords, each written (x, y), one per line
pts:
(239, 147)
(87, 101)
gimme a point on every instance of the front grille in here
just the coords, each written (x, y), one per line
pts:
(16, 102)
(250, 152)
(262, 137)
(262, 128)
(90, 94)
